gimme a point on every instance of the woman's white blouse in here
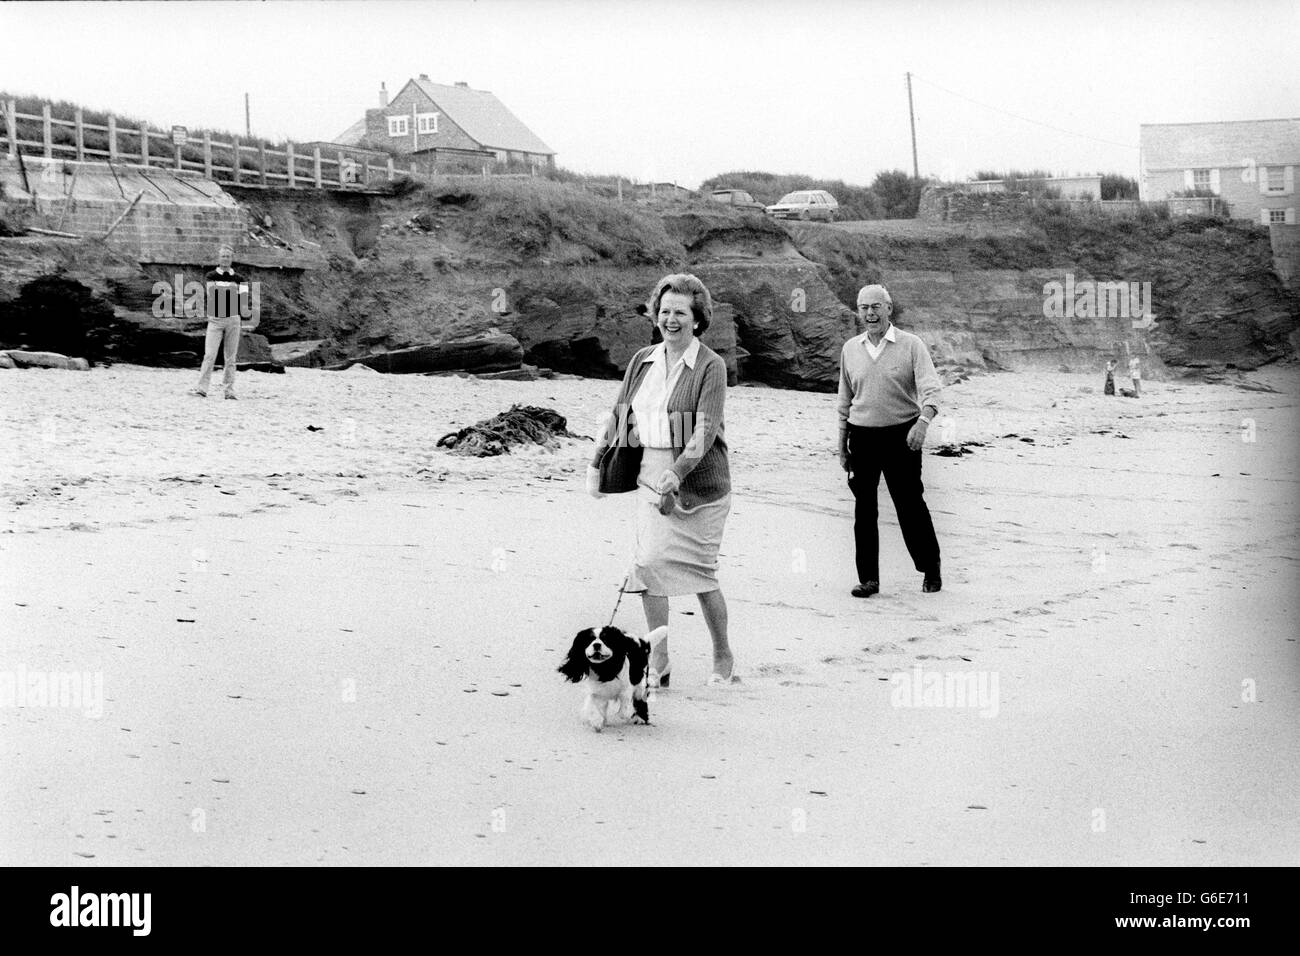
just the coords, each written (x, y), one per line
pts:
(650, 403)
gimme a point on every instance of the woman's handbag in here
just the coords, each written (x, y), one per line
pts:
(620, 463)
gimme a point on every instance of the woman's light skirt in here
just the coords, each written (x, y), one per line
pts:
(676, 553)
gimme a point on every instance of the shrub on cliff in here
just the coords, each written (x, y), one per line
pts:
(1115, 186)
(528, 217)
(899, 193)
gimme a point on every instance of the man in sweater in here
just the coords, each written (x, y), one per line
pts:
(227, 306)
(887, 398)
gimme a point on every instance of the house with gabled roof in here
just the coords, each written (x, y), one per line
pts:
(453, 123)
(1251, 164)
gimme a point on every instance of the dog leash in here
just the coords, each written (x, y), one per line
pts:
(626, 577)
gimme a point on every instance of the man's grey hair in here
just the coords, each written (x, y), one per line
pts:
(876, 288)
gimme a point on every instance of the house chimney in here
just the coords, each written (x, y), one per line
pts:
(424, 76)
(462, 84)
(383, 96)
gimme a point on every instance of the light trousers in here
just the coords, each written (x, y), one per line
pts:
(219, 329)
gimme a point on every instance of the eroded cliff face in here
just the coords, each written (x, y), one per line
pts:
(1000, 297)
(563, 273)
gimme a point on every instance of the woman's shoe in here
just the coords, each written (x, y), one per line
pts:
(658, 679)
(717, 680)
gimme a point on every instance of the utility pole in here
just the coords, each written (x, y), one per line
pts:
(248, 119)
(916, 169)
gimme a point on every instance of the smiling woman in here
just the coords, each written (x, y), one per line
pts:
(684, 485)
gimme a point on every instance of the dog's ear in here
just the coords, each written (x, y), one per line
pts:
(574, 667)
(640, 659)
(637, 652)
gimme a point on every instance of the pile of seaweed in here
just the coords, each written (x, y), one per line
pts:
(521, 424)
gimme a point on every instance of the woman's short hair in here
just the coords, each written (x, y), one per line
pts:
(685, 284)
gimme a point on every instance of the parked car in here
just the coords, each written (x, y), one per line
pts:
(805, 204)
(736, 198)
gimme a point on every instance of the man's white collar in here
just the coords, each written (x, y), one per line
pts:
(888, 336)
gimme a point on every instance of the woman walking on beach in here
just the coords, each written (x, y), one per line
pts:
(676, 391)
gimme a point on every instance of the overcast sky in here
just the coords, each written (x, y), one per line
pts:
(680, 91)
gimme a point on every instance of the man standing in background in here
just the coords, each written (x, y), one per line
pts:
(1135, 373)
(226, 302)
(887, 398)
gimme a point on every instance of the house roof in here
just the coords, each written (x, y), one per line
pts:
(1218, 145)
(353, 135)
(483, 117)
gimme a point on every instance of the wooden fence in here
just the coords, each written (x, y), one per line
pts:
(233, 163)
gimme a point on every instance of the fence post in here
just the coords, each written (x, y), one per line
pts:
(144, 145)
(11, 127)
(390, 169)
(315, 164)
(207, 153)
(288, 158)
(112, 137)
(81, 136)
(234, 171)
(261, 160)
(177, 150)
(340, 167)
(45, 133)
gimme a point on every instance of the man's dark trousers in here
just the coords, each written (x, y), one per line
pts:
(877, 451)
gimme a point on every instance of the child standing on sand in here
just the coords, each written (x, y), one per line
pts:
(1110, 376)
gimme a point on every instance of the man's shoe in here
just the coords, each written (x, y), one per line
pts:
(932, 582)
(866, 589)
(198, 393)
(231, 395)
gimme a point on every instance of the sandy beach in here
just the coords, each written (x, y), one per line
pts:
(322, 640)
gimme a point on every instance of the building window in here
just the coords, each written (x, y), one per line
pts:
(426, 123)
(399, 125)
(1276, 216)
(1276, 179)
(1200, 179)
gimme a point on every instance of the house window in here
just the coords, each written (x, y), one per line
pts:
(399, 125)
(1276, 216)
(1200, 179)
(1276, 179)
(426, 123)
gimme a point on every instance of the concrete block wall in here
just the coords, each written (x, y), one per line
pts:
(180, 216)
(1286, 254)
(151, 232)
(954, 204)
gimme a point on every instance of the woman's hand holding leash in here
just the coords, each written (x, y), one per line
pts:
(669, 485)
